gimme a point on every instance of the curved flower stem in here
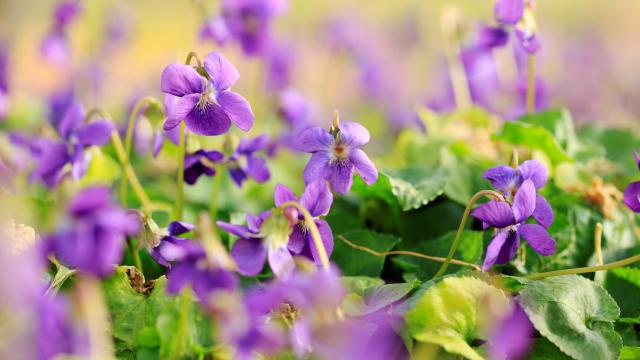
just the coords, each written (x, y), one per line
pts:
(133, 247)
(488, 193)
(193, 55)
(598, 244)
(124, 160)
(531, 84)
(177, 210)
(128, 141)
(408, 253)
(185, 309)
(315, 234)
(587, 269)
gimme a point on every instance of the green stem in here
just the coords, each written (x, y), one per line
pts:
(315, 234)
(177, 210)
(488, 193)
(134, 251)
(147, 205)
(531, 84)
(185, 309)
(128, 142)
(587, 269)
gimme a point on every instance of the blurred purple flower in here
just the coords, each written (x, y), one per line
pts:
(205, 103)
(54, 46)
(266, 237)
(280, 59)
(490, 37)
(294, 108)
(632, 192)
(59, 102)
(244, 162)
(93, 241)
(188, 264)
(512, 338)
(335, 157)
(56, 333)
(4, 81)
(509, 11)
(316, 198)
(519, 187)
(194, 167)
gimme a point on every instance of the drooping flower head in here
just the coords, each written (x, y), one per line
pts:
(337, 154)
(189, 263)
(54, 46)
(509, 217)
(51, 156)
(316, 198)
(632, 192)
(245, 162)
(194, 166)
(205, 102)
(93, 239)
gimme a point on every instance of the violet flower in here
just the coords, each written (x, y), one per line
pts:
(316, 198)
(194, 166)
(513, 336)
(280, 59)
(632, 192)
(336, 156)
(188, 264)
(54, 46)
(51, 156)
(94, 238)
(205, 102)
(294, 108)
(266, 237)
(244, 162)
(509, 12)
(509, 217)
(56, 333)
(4, 81)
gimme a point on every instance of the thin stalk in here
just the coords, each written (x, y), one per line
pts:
(128, 142)
(587, 269)
(185, 309)
(177, 210)
(408, 253)
(531, 84)
(488, 193)
(193, 55)
(315, 234)
(598, 244)
(134, 251)
(147, 205)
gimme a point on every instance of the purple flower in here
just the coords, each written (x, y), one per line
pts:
(294, 108)
(194, 166)
(59, 102)
(280, 59)
(216, 30)
(205, 102)
(316, 198)
(632, 192)
(509, 11)
(335, 157)
(94, 238)
(188, 264)
(490, 37)
(513, 336)
(247, 21)
(56, 332)
(509, 217)
(55, 46)
(4, 81)
(51, 156)
(244, 162)
(266, 237)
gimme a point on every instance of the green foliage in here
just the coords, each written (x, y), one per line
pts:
(624, 286)
(575, 314)
(354, 262)
(454, 313)
(535, 137)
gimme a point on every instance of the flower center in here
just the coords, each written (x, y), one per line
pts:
(340, 152)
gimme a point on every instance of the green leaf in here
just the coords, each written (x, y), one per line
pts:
(559, 123)
(465, 175)
(575, 314)
(624, 286)
(102, 169)
(544, 349)
(411, 187)
(630, 353)
(357, 262)
(535, 137)
(359, 284)
(454, 313)
(375, 298)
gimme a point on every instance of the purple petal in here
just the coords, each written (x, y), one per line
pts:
(281, 261)
(89, 200)
(209, 119)
(238, 175)
(364, 166)
(178, 277)
(543, 212)
(313, 139)
(637, 157)
(258, 143)
(213, 155)
(632, 196)
(282, 194)
(237, 230)
(223, 74)
(249, 255)
(539, 239)
(512, 338)
(528, 42)
(209, 280)
(179, 111)
(524, 203)
(179, 227)
(490, 37)
(509, 11)
(193, 172)
(181, 80)
(254, 222)
(297, 240)
(257, 169)
(495, 213)
(502, 248)
(353, 134)
(317, 167)
(533, 170)
(95, 133)
(502, 177)
(237, 109)
(73, 116)
(158, 141)
(341, 177)
(327, 240)
(317, 198)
